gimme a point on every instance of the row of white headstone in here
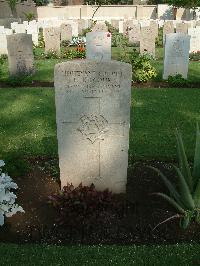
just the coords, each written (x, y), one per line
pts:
(98, 44)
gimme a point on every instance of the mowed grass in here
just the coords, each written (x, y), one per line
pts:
(28, 123)
(174, 255)
(45, 68)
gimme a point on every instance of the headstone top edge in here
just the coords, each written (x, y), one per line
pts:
(92, 62)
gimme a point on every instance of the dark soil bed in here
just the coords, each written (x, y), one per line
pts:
(134, 224)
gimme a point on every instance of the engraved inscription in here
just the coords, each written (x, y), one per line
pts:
(93, 127)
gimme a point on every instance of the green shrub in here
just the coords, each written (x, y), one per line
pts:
(16, 166)
(29, 16)
(177, 81)
(185, 197)
(73, 54)
(19, 80)
(41, 43)
(143, 71)
(51, 54)
(159, 39)
(195, 56)
(118, 39)
(41, 2)
(65, 43)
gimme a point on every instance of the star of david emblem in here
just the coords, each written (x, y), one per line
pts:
(93, 127)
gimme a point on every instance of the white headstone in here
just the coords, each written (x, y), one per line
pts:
(100, 27)
(20, 28)
(52, 39)
(3, 42)
(98, 46)
(20, 54)
(93, 116)
(134, 34)
(176, 55)
(147, 41)
(66, 32)
(195, 39)
(33, 30)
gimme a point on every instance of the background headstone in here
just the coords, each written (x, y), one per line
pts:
(20, 54)
(134, 34)
(176, 57)
(195, 39)
(147, 41)
(66, 32)
(52, 39)
(93, 116)
(98, 46)
(182, 28)
(20, 28)
(168, 28)
(100, 27)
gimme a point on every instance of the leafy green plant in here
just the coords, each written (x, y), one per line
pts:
(83, 205)
(19, 80)
(16, 165)
(118, 39)
(65, 43)
(12, 4)
(143, 71)
(41, 43)
(29, 16)
(177, 81)
(51, 54)
(72, 54)
(159, 39)
(185, 197)
(195, 56)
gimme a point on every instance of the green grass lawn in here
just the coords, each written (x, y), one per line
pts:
(174, 255)
(45, 68)
(28, 125)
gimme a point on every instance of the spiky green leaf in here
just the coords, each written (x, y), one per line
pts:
(184, 191)
(196, 195)
(183, 162)
(169, 185)
(172, 202)
(196, 167)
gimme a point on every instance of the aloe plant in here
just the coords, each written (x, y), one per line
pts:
(184, 196)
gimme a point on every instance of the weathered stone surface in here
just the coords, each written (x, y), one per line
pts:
(154, 28)
(168, 28)
(82, 24)
(66, 32)
(195, 39)
(3, 42)
(176, 55)
(20, 28)
(20, 54)
(33, 30)
(93, 116)
(134, 34)
(147, 41)
(52, 39)
(100, 26)
(182, 28)
(127, 26)
(115, 23)
(98, 46)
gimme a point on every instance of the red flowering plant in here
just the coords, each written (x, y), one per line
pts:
(84, 205)
(195, 56)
